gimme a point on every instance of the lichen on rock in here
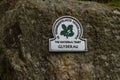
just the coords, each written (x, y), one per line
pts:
(25, 29)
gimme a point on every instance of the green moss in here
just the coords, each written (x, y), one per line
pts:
(111, 3)
(1, 50)
(115, 3)
(0, 0)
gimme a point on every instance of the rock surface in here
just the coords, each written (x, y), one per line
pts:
(25, 29)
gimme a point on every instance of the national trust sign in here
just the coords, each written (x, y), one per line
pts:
(67, 32)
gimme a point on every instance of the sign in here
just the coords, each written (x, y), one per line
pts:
(67, 32)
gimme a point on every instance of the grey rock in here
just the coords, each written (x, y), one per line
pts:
(25, 29)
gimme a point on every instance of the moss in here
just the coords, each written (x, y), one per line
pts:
(115, 3)
(0, 0)
(1, 50)
(111, 3)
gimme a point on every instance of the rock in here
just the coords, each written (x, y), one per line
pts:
(116, 12)
(25, 29)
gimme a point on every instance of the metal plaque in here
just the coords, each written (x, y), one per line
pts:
(67, 32)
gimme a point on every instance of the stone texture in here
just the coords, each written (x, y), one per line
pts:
(25, 29)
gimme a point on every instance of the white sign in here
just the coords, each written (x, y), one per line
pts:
(67, 32)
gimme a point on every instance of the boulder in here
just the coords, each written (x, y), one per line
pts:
(25, 29)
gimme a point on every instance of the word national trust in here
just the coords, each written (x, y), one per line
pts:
(67, 32)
